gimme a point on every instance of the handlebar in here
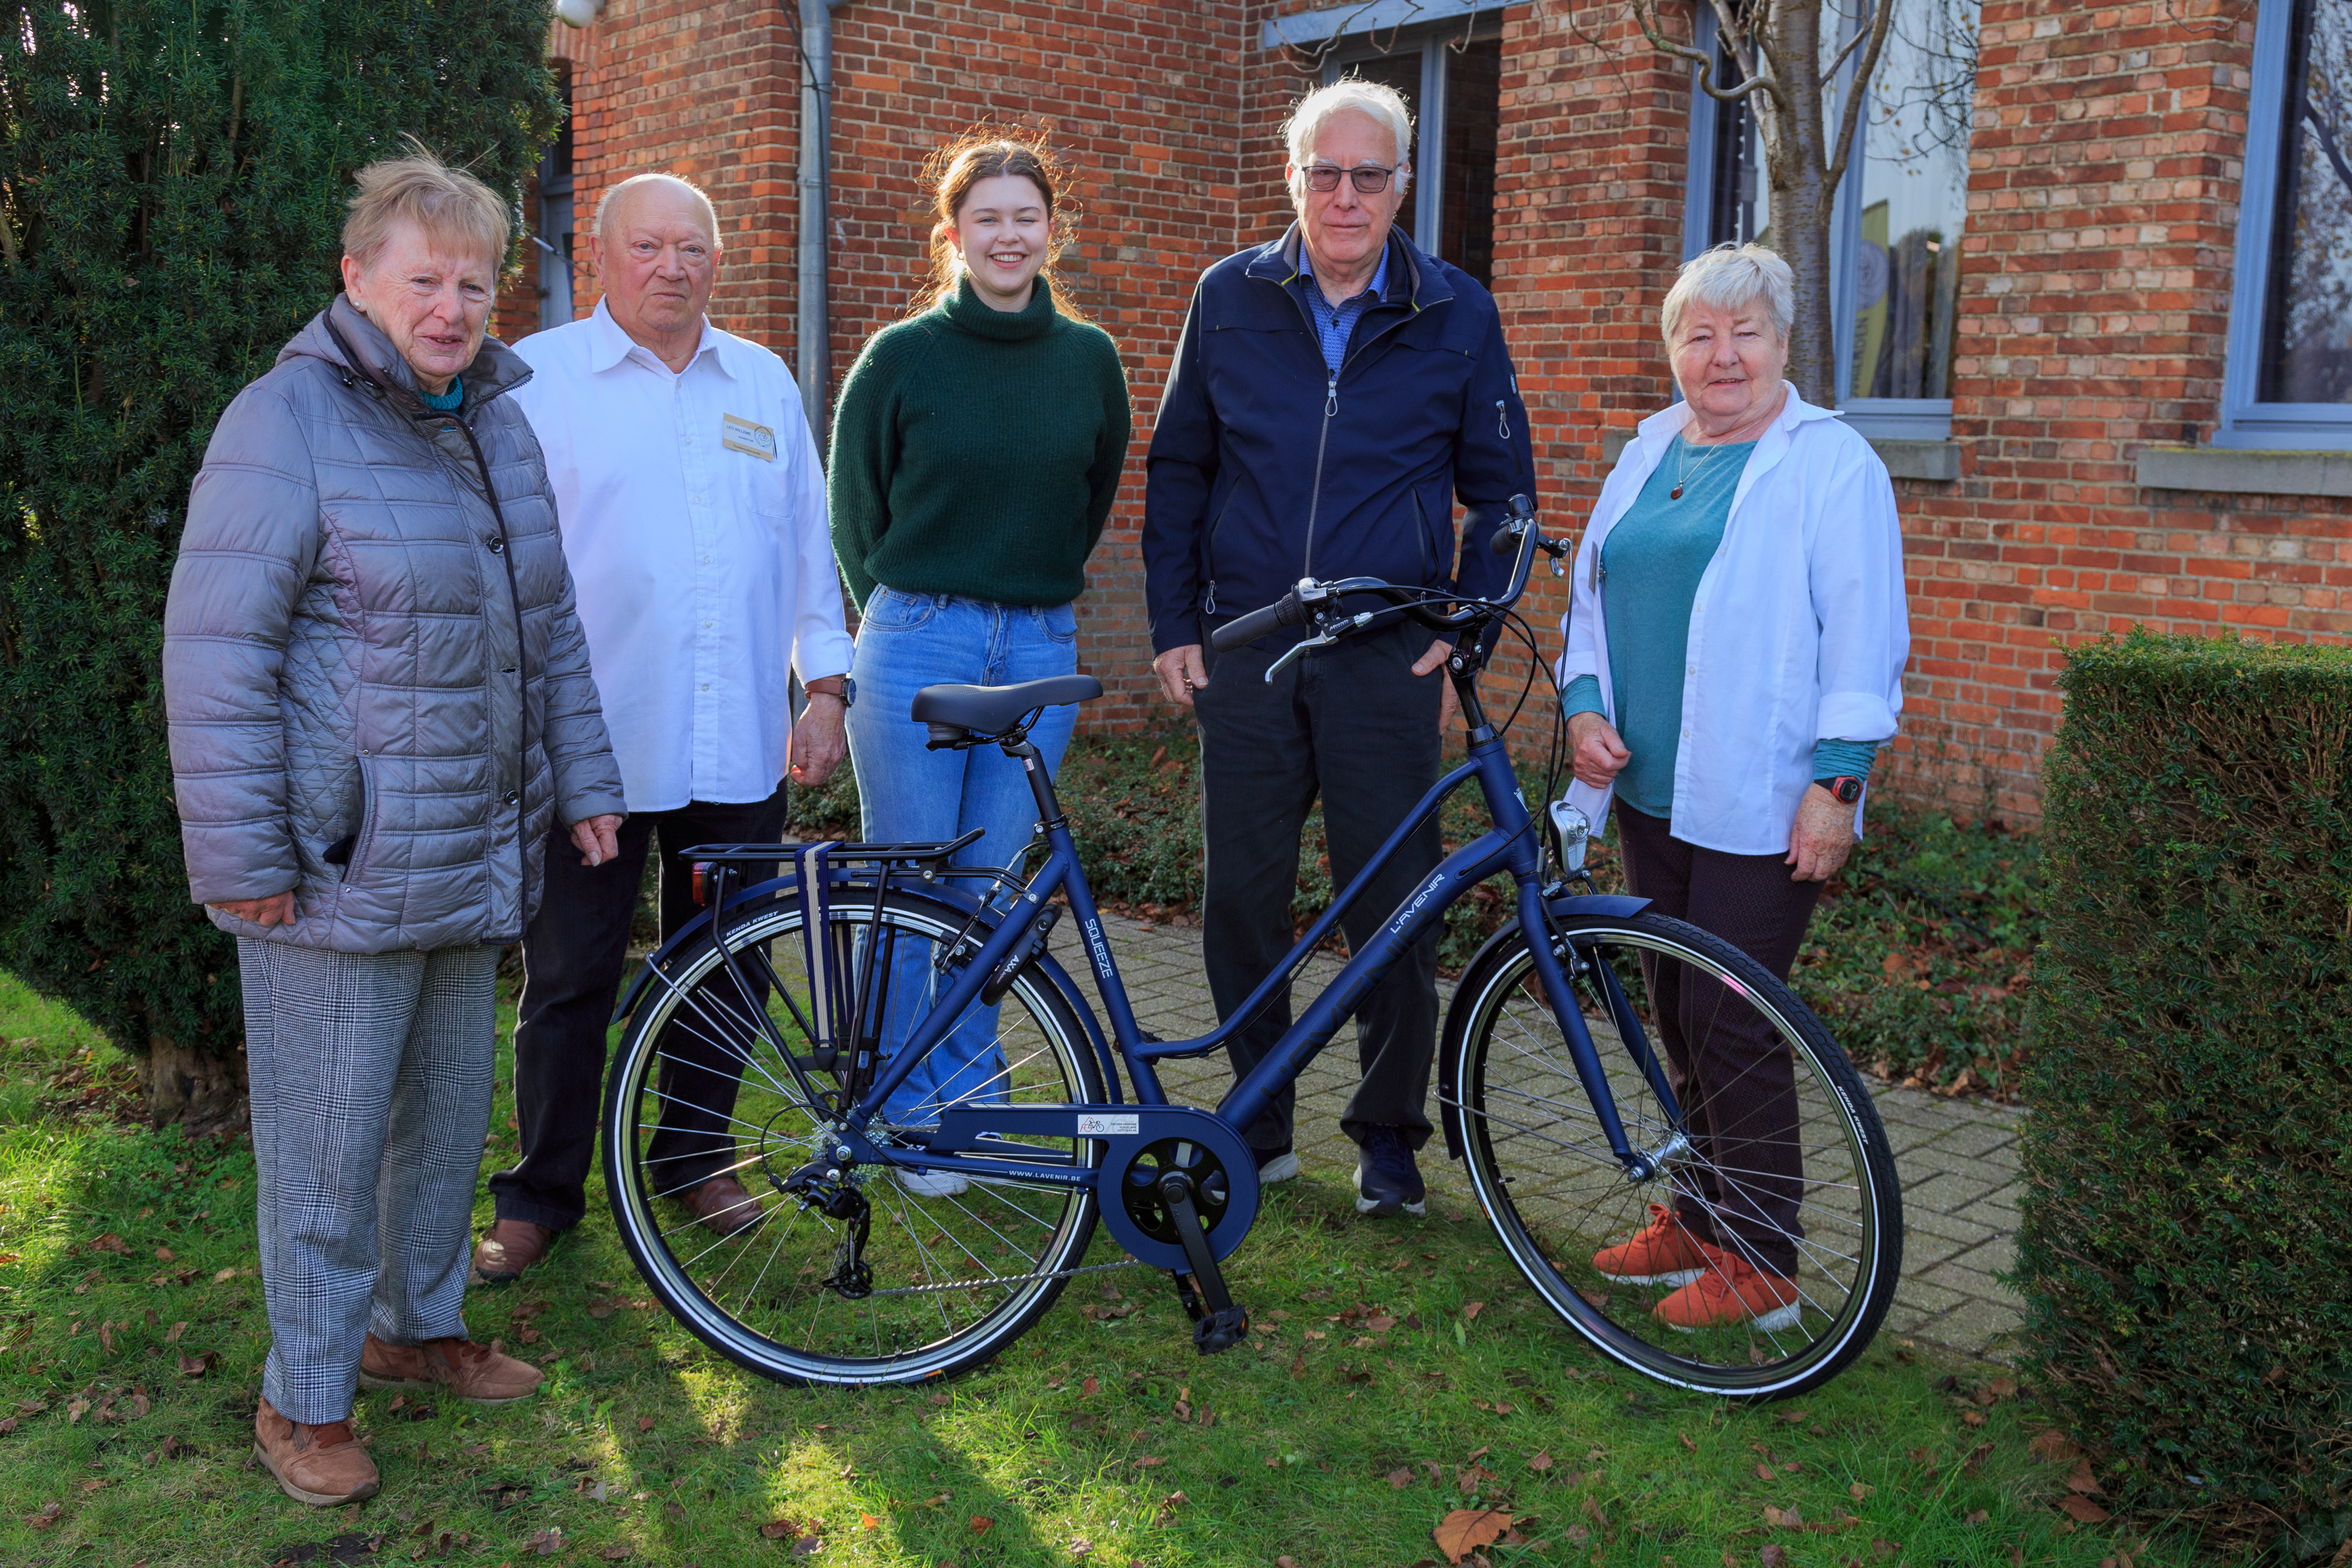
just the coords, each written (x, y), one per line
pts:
(1317, 603)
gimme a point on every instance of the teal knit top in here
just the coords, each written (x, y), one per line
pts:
(1650, 571)
(977, 452)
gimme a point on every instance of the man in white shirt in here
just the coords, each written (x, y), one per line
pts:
(692, 507)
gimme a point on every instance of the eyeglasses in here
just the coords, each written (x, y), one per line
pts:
(1368, 179)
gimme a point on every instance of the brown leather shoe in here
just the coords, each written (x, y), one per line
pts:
(723, 1206)
(321, 1466)
(468, 1370)
(508, 1248)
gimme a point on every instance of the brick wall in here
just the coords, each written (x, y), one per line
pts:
(2104, 167)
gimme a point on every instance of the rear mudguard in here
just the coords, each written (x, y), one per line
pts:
(1457, 1017)
(953, 902)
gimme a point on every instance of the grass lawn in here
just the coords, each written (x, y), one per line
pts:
(133, 1332)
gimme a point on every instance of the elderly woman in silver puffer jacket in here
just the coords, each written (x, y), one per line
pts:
(378, 696)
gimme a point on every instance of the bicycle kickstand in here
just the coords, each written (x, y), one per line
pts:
(1220, 1325)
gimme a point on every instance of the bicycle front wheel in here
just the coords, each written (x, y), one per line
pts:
(949, 1270)
(1762, 1256)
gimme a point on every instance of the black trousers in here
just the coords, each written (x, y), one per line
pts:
(572, 958)
(1733, 1076)
(1354, 725)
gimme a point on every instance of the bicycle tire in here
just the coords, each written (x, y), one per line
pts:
(1562, 1204)
(771, 1141)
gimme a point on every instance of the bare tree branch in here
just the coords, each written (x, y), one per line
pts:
(1647, 17)
(1851, 116)
(2326, 135)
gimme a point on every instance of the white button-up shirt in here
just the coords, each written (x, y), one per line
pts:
(1798, 633)
(692, 507)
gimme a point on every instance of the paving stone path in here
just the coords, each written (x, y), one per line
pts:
(1958, 1157)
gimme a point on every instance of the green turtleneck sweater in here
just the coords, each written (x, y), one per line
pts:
(976, 452)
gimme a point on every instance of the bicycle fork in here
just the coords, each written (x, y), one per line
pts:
(1545, 947)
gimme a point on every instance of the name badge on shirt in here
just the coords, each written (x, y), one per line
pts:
(755, 440)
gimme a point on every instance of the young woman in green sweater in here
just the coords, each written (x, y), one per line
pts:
(976, 451)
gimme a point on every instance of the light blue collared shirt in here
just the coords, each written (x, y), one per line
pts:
(1335, 324)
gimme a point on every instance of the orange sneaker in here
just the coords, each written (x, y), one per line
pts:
(1730, 1292)
(1664, 1253)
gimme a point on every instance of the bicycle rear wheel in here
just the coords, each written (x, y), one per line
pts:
(1787, 1240)
(958, 1269)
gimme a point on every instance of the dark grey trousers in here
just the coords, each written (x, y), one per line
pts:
(1354, 725)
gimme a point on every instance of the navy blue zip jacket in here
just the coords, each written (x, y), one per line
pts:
(1266, 467)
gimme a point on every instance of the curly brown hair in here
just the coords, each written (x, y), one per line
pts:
(983, 154)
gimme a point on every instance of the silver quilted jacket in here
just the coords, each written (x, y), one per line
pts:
(377, 687)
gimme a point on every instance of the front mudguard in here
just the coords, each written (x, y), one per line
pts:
(952, 901)
(1458, 1016)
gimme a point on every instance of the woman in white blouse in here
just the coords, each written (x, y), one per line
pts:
(1736, 644)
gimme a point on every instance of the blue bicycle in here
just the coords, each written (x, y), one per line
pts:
(1652, 1122)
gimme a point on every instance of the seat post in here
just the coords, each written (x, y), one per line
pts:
(1041, 779)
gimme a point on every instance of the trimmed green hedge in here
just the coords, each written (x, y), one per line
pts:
(172, 175)
(2186, 1250)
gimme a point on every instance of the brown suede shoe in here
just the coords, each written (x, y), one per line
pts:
(723, 1206)
(321, 1466)
(468, 1370)
(508, 1248)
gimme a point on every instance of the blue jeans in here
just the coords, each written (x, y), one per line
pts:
(908, 794)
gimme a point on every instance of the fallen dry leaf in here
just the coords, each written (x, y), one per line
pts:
(224, 1277)
(979, 1523)
(1088, 1386)
(1687, 1443)
(1401, 1478)
(1976, 1516)
(1542, 1461)
(1465, 1530)
(1470, 1311)
(2052, 1446)
(2003, 1387)
(46, 1517)
(1772, 1555)
(1764, 1473)
(645, 1423)
(1150, 1461)
(109, 1242)
(777, 1529)
(1859, 1491)
(2081, 1510)
(177, 1330)
(2081, 1480)
(164, 1255)
(1972, 1417)
(867, 1521)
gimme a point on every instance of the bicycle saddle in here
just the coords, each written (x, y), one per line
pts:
(991, 710)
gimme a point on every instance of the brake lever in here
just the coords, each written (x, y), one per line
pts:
(1347, 627)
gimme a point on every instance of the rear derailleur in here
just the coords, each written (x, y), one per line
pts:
(825, 1189)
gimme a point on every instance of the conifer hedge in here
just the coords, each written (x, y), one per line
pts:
(2186, 1250)
(172, 175)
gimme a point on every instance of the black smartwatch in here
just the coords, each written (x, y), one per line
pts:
(1846, 788)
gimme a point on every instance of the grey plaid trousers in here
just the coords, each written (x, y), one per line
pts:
(371, 1076)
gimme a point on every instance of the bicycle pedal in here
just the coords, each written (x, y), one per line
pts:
(1220, 1330)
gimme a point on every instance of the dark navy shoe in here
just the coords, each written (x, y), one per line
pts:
(1387, 1179)
(1275, 1165)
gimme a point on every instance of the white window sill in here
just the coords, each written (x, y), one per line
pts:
(2241, 471)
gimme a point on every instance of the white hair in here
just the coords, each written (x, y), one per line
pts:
(608, 207)
(1383, 105)
(1728, 278)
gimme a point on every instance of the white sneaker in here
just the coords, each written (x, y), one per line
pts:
(928, 1184)
(1282, 1167)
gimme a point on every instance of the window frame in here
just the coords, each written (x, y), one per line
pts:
(1880, 418)
(2245, 421)
(1360, 44)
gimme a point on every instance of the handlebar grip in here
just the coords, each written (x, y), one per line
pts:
(1519, 517)
(1284, 611)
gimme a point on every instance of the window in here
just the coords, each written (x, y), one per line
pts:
(2288, 380)
(1896, 234)
(1451, 79)
(553, 234)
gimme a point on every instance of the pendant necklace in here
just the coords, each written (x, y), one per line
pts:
(1682, 451)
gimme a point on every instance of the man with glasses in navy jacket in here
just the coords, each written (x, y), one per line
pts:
(1334, 392)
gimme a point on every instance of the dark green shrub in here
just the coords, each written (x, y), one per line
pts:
(174, 173)
(2186, 1251)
